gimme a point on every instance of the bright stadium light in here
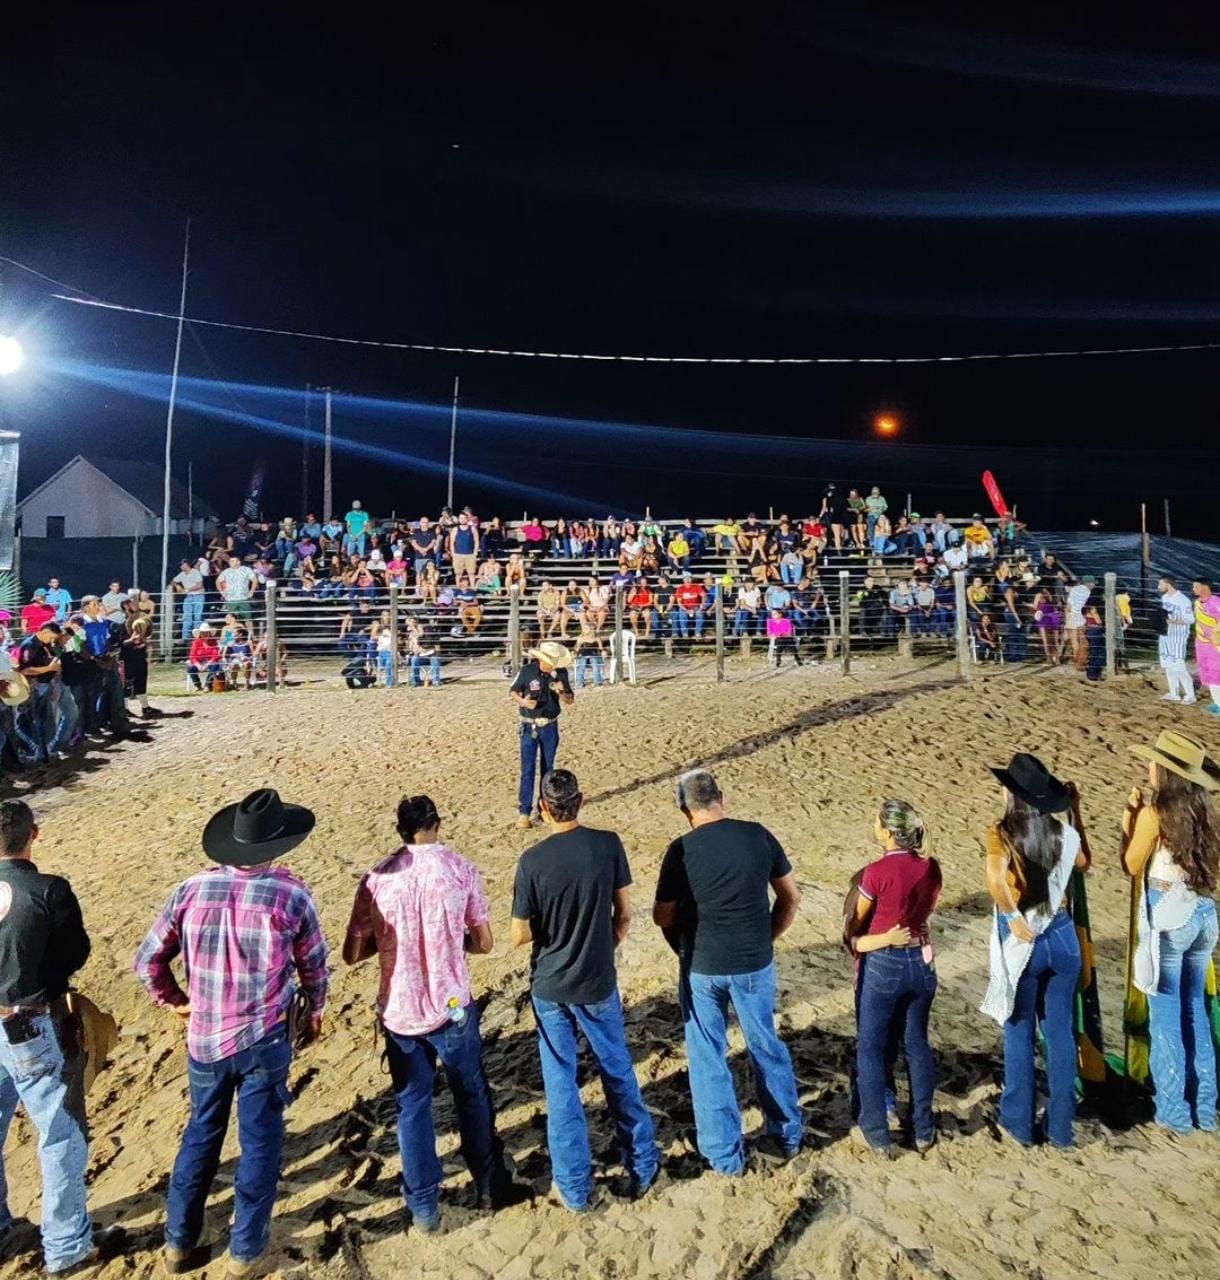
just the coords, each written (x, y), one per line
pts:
(11, 356)
(886, 424)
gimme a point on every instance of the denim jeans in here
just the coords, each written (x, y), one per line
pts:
(1016, 642)
(586, 662)
(567, 1132)
(790, 574)
(417, 666)
(258, 1076)
(34, 1075)
(1047, 985)
(747, 624)
(385, 665)
(1183, 1058)
(192, 613)
(543, 742)
(34, 723)
(896, 991)
(704, 1000)
(354, 546)
(689, 623)
(412, 1062)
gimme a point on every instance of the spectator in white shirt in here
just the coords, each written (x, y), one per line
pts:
(955, 557)
(236, 584)
(1073, 624)
(190, 585)
(1171, 644)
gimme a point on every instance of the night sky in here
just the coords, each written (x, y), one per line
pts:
(769, 180)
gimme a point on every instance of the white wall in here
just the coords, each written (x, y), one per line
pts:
(92, 505)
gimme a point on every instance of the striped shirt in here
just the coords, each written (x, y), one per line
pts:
(1171, 646)
(245, 935)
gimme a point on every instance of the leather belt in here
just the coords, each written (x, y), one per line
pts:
(35, 1010)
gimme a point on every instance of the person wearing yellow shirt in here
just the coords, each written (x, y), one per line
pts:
(678, 551)
(727, 533)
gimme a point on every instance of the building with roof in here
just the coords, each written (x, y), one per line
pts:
(97, 497)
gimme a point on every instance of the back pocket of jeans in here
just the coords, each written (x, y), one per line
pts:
(37, 1057)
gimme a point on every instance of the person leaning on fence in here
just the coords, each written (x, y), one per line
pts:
(249, 936)
(189, 584)
(420, 911)
(1171, 846)
(539, 690)
(712, 902)
(571, 903)
(1177, 617)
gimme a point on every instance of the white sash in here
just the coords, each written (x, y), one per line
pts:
(1172, 911)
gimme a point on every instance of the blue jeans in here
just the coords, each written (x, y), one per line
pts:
(258, 1076)
(567, 1132)
(542, 742)
(1016, 642)
(585, 662)
(790, 574)
(385, 665)
(192, 613)
(690, 623)
(882, 546)
(1183, 1058)
(412, 1062)
(354, 545)
(705, 999)
(417, 665)
(896, 991)
(747, 623)
(33, 1074)
(34, 723)
(1047, 986)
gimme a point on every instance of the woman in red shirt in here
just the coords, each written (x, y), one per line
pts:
(897, 979)
(204, 657)
(639, 607)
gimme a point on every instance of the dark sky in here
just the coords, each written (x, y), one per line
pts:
(774, 179)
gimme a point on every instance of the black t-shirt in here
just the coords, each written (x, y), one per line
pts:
(31, 652)
(424, 540)
(42, 937)
(719, 874)
(535, 684)
(565, 889)
(836, 507)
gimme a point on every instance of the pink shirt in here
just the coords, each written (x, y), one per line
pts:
(779, 626)
(418, 905)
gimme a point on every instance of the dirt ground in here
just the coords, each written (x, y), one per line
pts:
(810, 753)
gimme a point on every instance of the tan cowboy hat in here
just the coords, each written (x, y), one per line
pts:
(551, 651)
(1183, 755)
(17, 689)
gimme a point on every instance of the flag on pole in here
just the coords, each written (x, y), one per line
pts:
(993, 492)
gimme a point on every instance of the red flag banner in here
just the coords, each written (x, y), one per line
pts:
(993, 492)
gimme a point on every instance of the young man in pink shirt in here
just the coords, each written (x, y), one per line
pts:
(420, 911)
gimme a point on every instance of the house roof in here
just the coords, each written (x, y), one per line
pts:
(144, 481)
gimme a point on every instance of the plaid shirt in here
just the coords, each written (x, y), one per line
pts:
(241, 933)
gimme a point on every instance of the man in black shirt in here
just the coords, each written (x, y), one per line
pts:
(570, 900)
(42, 943)
(35, 724)
(712, 902)
(541, 685)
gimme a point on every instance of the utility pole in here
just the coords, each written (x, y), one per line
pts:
(305, 457)
(453, 439)
(167, 619)
(327, 497)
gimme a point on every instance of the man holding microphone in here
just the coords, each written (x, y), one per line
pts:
(540, 687)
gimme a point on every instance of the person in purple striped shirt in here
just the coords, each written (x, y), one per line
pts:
(249, 937)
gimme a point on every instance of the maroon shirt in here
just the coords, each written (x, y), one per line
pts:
(903, 888)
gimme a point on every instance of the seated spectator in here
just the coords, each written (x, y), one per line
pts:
(264, 542)
(808, 606)
(927, 618)
(470, 612)
(986, 639)
(576, 539)
(624, 575)
(630, 548)
(903, 538)
(728, 535)
(597, 604)
(533, 535)
(422, 656)
(611, 538)
(360, 583)
(689, 599)
(956, 557)
(978, 598)
(571, 606)
(561, 548)
(901, 603)
(427, 584)
(548, 610)
(650, 555)
(487, 581)
(241, 540)
(640, 607)
(942, 533)
(396, 571)
(696, 539)
(678, 552)
(663, 606)
(592, 539)
(331, 539)
(748, 620)
(515, 573)
(782, 636)
(882, 543)
(203, 660)
(493, 538)
(356, 630)
(777, 598)
(238, 659)
(919, 531)
(977, 538)
(752, 541)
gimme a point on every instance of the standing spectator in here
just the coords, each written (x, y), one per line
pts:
(782, 633)
(423, 544)
(834, 511)
(422, 654)
(1179, 613)
(236, 586)
(1207, 640)
(134, 649)
(712, 902)
(103, 690)
(58, 598)
(248, 931)
(420, 911)
(35, 725)
(874, 604)
(188, 583)
(42, 944)
(571, 902)
(112, 602)
(1073, 623)
(464, 548)
(37, 612)
(590, 652)
(875, 506)
(356, 524)
(857, 514)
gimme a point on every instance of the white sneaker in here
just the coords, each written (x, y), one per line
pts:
(1170, 697)
(1189, 702)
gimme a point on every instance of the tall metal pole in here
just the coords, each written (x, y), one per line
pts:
(962, 624)
(457, 382)
(1168, 527)
(167, 620)
(327, 504)
(1111, 581)
(720, 633)
(190, 501)
(305, 457)
(844, 619)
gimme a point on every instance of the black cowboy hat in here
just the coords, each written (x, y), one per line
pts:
(259, 829)
(1029, 779)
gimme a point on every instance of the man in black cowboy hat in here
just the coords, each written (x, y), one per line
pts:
(248, 932)
(541, 685)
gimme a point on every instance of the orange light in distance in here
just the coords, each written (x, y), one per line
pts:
(886, 424)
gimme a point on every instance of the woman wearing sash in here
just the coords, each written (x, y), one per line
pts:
(1035, 954)
(1171, 844)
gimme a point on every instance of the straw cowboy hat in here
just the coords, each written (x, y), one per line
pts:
(259, 829)
(1185, 756)
(552, 653)
(1030, 780)
(16, 691)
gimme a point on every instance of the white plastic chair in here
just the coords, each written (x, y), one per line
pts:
(628, 647)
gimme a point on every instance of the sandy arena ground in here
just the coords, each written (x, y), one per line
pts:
(810, 753)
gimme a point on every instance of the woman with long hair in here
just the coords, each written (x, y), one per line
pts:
(1171, 844)
(888, 932)
(1048, 618)
(1035, 954)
